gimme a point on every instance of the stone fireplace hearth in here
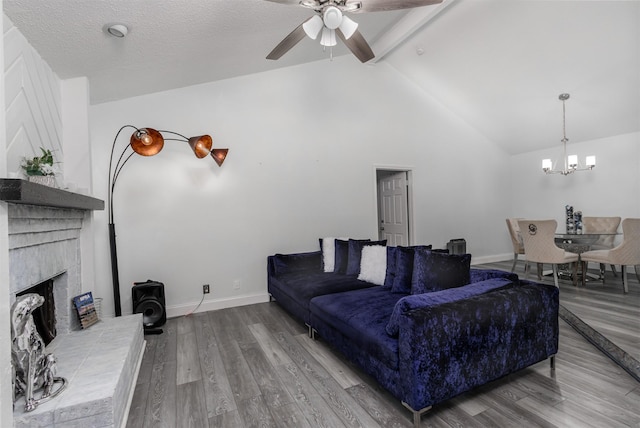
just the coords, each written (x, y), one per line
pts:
(101, 363)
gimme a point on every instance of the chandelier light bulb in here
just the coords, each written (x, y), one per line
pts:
(570, 162)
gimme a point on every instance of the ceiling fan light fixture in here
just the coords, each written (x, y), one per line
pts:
(328, 37)
(313, 26)
(348, 27)
(332, 17)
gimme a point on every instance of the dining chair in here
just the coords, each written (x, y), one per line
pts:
(625, 254)
(540, 247)
(516, 239)
(608, 225)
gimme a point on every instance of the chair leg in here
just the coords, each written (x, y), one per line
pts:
(613, 269)
(515, 259)
(625, 281)
(555, 275)
(637, 268)
(526, 270)
(540, 267)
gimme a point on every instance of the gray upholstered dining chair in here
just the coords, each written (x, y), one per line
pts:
(516, 240)
(607, 225)
(625, 254)
(540, 247)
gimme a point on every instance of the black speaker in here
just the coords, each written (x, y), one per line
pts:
(148, 300)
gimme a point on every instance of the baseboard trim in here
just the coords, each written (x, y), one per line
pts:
(212, 305)
(491, 259)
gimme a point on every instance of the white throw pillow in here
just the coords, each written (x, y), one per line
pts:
(373, 264)
(329, 253)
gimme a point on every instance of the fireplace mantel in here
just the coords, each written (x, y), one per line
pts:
(17, 191)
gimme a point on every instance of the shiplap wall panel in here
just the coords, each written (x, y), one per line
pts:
(32, 101)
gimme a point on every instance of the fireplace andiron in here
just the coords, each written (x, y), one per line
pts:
(33, 369)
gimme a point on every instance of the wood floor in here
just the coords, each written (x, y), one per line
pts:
(603, 306)
(253, 366)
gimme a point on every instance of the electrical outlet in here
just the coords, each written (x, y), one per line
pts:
(205, 289)
(236, 284)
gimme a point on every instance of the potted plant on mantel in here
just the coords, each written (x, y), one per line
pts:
(39, 169)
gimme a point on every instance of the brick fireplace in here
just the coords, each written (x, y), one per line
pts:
(101, 363)
(44, 243)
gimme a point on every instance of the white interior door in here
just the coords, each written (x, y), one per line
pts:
(393, 207)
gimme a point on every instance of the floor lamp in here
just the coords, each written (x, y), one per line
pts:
(147, 142)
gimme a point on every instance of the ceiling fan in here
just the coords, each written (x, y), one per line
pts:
(330, 20)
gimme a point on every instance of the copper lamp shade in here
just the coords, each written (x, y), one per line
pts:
(201, 145)
(219, 155)
(147, 142)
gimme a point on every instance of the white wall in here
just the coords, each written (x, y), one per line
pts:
(612, 188)
(303, 144)
(6, 408)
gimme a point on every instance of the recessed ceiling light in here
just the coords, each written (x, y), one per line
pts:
(118, 30)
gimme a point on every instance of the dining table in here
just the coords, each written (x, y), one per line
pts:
(579, 243)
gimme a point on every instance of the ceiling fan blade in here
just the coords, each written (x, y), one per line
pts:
(357, 45)
(288, 42)
(382, 5)
(287, 2)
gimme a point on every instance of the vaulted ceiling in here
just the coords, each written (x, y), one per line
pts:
(499, 64)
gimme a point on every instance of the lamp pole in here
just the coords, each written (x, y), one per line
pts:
(146, 142)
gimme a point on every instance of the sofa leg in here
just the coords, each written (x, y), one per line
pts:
(417, 414)
(311, 332)
(552, 362)
(271, 299)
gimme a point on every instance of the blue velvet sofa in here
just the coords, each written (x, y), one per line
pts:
(427, 346)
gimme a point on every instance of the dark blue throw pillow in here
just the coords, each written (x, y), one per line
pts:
(435, 271)
(404, 268)
(355, 254)
(391, 267)
(342, 256)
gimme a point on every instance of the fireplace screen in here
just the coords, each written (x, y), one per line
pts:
(45, 316)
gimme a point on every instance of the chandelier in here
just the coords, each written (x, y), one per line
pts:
(570, 162)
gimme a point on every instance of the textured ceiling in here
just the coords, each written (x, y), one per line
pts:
(171, 43)
(498, 64)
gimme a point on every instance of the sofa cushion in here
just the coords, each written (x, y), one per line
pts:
(435, 298)
(355, 254)
(360, 315)
(404, 268)
(301, 287)
(434, 271)
(373, 264)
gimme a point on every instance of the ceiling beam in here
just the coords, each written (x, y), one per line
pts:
(407, 25)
